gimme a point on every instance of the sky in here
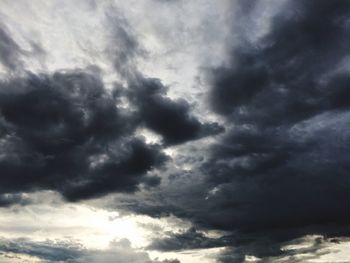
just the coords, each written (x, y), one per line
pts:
(174, 131)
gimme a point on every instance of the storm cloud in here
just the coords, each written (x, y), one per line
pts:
(64, 132)
(280, 171)
(67, 132)
(171, 119)
(250, 153)
(284, 163)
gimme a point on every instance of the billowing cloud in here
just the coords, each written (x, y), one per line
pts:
(280, 171)
(67, 132)
(252, 147)
(64, 132)
(169, 118)
(283, 161)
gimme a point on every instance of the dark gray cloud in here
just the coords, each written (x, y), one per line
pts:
(7, 200)
(236, 248)
(50, 251)
(64, 132)
(283, 165)
(310, 252)
(189, 239)
(277, 81)
(281, 169)
(170, 118)
(278, 173)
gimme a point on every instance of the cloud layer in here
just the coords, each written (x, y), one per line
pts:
(274, 171)
(67, 251)
(280, 171)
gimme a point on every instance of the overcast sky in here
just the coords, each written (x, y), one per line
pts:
(168, 131)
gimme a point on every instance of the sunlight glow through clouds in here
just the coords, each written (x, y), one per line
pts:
(93, 227)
